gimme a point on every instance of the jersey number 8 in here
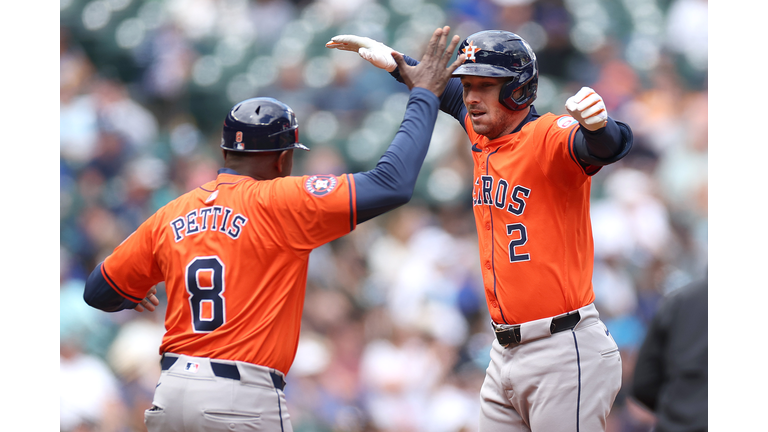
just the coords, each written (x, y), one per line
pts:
(205, 285)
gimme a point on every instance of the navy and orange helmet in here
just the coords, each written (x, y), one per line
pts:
(261, 124)
(502, 54)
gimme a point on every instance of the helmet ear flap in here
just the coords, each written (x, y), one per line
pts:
(505, 96)
(507, 91)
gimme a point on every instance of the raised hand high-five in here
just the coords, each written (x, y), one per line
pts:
(431, 73)
(375, 52)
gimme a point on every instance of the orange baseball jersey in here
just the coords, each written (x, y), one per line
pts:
(531, 205)
(233, 254)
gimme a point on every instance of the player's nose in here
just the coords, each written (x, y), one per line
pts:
(471, 97)
(469, 101)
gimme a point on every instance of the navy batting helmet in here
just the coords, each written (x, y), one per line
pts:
(261, 124)
(502, 54)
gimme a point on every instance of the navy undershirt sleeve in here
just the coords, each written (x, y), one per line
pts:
(604, 146)
(391, 183)
(451, 101)
(99, 294)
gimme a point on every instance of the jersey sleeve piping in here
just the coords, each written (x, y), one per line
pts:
(352, 200)
(220, 184)
(117, 288)
(588, 170)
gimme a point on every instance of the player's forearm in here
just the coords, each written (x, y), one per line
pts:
(604, 146)
(392, 182)
(100, 295)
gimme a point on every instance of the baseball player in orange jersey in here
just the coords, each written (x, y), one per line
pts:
(554, 366)
(234, 253)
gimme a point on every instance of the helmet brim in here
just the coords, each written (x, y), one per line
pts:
(485, 70)
(298, 146)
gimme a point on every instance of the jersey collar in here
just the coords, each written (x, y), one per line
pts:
(532, 114)
(228, 171)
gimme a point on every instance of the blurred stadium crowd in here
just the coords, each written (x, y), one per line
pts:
(395, 332)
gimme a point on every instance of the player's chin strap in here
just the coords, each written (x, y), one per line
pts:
(509, 335)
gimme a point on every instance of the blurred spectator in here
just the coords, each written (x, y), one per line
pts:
(168, 58)
(670, 376)
(134, 358)
(631, 223)
(89, 392)
(118, 112)
(687, 34)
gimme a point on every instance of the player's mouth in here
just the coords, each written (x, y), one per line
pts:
(475, 114)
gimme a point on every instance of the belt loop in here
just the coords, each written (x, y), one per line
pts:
(167, 361)
(277, 380)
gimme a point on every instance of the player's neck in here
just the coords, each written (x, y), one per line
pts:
(260, 166)
(515, 119)
(257, 172)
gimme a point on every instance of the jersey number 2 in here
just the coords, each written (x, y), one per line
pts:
(513, 257)
(205, 285)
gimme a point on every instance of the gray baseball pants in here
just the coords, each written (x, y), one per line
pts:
(561, 382)
(194, 395)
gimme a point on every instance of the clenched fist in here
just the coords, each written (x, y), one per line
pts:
(587, 107)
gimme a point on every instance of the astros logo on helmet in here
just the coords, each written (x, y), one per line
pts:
(470, 51)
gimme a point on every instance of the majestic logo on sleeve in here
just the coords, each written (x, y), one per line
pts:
(566, 121)
(320, 185)
(470, 51)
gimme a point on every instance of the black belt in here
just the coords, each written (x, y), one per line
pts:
(508, 336)
(223, 370)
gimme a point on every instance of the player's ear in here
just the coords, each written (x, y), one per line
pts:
(284, 163)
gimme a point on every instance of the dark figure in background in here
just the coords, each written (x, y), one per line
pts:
(670, 376)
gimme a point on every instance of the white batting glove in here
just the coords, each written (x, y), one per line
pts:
(588, 108)
(375, 52)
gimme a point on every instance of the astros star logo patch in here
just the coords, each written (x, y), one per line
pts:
(470, 50)
(566, 121)
(320, 185)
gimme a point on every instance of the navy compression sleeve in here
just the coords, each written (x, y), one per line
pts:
(392, 182)
(451, 101)
(99, 294)
(604, 146)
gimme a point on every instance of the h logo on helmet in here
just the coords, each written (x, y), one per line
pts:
(470, 51)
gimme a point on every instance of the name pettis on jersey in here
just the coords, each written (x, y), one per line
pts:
(214, 218)
(487, 191)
